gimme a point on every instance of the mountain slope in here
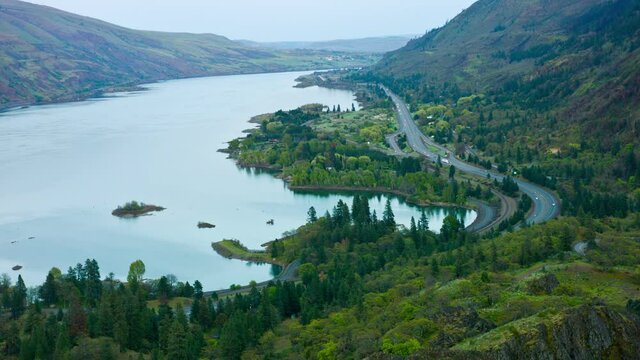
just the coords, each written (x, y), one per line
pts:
(545, 55)
(549, 89)
(50, 55)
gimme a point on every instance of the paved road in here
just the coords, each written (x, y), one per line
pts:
(488, 216)
(392, 140)
(287, 274)
(546, 205)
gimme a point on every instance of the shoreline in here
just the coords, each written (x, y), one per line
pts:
(477, 209)
(101, 93)
(234, 249)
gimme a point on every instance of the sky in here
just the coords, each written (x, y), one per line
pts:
(272, 20)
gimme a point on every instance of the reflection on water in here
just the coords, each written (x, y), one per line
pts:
(65, 167)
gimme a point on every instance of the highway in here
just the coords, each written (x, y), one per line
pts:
(546, 205)
(289, 273)
(393, 144)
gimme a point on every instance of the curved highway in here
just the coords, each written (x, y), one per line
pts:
(289, 273)
(546, 205)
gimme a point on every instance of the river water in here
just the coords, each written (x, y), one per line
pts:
(65, 167)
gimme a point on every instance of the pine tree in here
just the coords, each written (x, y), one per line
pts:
(197, 290)
(423, 223)
(178, 342)
(413, 230)
(93, 285)
(49, 290)
(311, 215)
(388, 218)
(18, 298)
(233, 338)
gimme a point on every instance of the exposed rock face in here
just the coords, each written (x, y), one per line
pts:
(587, 332)
(543, 285)
(461, 323)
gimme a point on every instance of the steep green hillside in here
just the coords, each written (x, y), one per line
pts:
(50, 55)
(550, 89)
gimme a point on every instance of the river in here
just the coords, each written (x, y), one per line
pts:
(65, 167)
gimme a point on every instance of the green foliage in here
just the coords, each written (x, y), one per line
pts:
(132, 206)
(560, 110)
(319, 158)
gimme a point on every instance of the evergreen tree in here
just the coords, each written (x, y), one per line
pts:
(49, 290)
(164, 289)
(311, 215)
(197, 290)
(450, 228)
(413, 229)
(388, 218)
(187, 291)
(178, 347)
(233, 338)
(423, 223)
(93, 285)
(18, 298)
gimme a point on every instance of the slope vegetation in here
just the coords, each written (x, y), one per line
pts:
(549, 89)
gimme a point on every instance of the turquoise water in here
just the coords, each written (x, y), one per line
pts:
(64, 167)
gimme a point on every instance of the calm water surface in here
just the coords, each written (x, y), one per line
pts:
(63, 168)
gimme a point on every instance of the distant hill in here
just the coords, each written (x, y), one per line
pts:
(50, 55)
(364, 45)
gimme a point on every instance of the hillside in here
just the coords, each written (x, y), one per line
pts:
(559, 54)
(49, 55)
(364, 45)
(549, 88)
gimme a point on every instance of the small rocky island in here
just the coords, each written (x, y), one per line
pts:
(135, 209)
(205, 225)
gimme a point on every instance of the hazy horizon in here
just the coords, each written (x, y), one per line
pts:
(274, 21)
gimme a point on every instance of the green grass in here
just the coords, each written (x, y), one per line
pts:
(233, 249)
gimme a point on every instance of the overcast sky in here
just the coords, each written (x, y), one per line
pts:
(272, 20)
